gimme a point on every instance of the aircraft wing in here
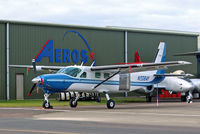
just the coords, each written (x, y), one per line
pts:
(138, 67)
(188, 53)
(38, 68)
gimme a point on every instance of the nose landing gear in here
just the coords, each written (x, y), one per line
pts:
(46, 103)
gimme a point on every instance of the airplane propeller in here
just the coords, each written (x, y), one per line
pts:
(33, 87)
(35, 71)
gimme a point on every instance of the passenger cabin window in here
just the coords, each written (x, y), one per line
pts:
(97, 75)
(83, 75)
(106, 75)
(72, 71)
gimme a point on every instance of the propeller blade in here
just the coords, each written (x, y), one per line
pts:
(34, 66)
(29, 94)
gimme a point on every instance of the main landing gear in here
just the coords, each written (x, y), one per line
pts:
(110, 102)
(46, 103)
(149, 97)
(189, 97)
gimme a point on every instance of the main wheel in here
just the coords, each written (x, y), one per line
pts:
(148, 98)
(183, 98)
(46, 104)
(72, 102)
(189, 101)
(110, 104)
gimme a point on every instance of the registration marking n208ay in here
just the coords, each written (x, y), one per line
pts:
(143, 78)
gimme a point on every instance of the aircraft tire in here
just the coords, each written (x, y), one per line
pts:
(183, 98)
(46, 104)
(148, 98)
(110, 104)
(73, 103)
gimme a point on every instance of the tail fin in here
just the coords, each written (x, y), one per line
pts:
(161, 56)
(161, 53)
(137, 58)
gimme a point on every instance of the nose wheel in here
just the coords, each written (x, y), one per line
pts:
(46, 103)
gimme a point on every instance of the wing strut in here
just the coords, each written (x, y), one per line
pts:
(106, 80)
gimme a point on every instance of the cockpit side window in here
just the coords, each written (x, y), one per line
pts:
(83, 75)
(72, 71)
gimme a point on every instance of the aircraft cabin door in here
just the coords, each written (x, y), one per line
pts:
(124, 82)
(19, 86)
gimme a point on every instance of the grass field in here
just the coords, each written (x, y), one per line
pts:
(38, 103)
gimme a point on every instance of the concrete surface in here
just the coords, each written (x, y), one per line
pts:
(139, 118)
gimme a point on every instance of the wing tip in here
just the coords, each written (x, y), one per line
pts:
(184, 62)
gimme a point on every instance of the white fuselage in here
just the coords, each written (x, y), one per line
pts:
(138, 80)
(176, 84)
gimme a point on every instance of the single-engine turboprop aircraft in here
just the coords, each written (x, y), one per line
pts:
(102, 79)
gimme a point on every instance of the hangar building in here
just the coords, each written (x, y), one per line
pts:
(20, 42)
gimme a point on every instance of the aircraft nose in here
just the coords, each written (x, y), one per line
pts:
(188, 87)
(36, 80)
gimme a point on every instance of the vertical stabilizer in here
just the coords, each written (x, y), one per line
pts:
(161, 53)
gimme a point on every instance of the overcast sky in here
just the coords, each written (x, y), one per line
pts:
(182, 15)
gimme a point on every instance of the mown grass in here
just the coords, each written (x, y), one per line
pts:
(54, 102)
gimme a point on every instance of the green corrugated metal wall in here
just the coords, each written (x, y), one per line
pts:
(26, 40)
(2, 61)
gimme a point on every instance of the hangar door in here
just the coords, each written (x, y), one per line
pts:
(19, 86)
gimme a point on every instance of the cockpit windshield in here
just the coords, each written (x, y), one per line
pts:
(72, 71)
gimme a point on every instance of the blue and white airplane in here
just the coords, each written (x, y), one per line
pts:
(102, 79)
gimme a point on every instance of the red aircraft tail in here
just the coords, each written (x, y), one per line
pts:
(137, 58)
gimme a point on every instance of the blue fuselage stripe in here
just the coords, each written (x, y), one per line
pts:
(88, 81)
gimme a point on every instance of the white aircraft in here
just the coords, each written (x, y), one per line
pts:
(103, 79)
(175, 84)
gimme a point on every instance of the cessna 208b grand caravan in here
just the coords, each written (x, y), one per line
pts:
(102, 79)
